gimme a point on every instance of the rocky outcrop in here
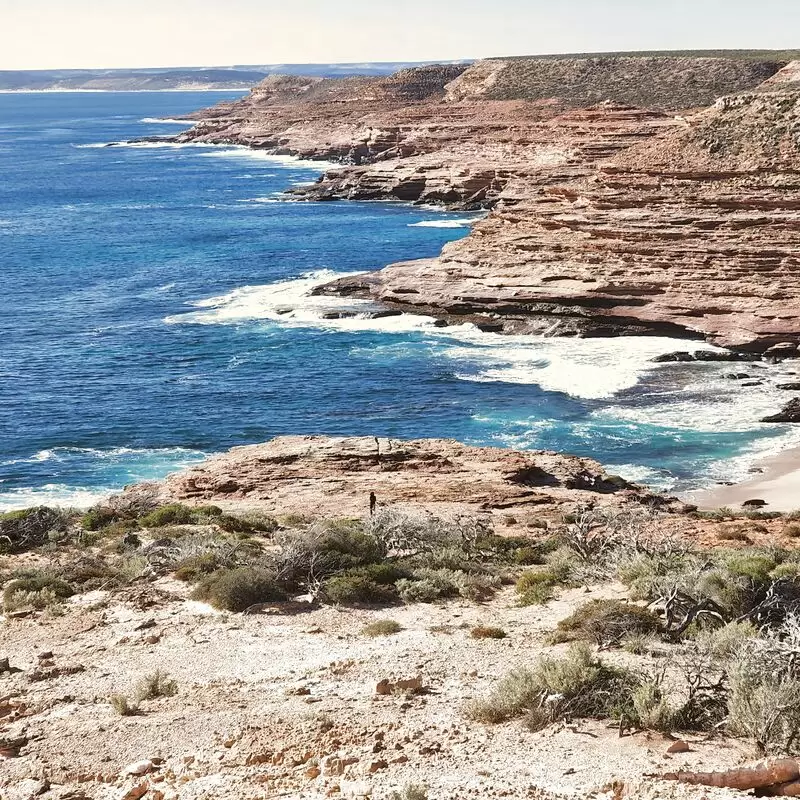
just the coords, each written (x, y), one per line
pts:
(607, 218)
(334, 477)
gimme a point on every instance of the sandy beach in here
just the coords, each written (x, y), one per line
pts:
(778, 485)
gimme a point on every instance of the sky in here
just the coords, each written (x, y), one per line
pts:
(53, 34)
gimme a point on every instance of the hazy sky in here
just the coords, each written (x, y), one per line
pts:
(128, 33)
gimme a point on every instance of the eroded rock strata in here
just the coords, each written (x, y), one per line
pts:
(329, 476)
(618, 206)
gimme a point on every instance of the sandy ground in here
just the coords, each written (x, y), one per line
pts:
(286, 706)
(778, 485)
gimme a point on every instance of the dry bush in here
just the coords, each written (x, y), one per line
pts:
(31, 527)
(382, 627)
(403, 532)
(576, 685)
(487, 632)
(155, 685)
(123, 706)
(239, 589)
(607, 622)
(411, 791)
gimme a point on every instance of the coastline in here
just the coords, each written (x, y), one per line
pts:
(778, 485)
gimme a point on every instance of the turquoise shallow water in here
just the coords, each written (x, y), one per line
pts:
(155, 308)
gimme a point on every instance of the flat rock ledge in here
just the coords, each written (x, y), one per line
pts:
(319, 476)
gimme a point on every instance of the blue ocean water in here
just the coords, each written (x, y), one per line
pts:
(155, 309)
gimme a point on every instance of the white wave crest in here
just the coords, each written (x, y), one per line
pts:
(292, 303)
(242, 152)
(180, 455)
(593, 369)
(59, 495)
(165, 121)
(442, 223)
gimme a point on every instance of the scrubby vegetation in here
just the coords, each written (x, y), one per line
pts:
(701, 639)
(382, 627)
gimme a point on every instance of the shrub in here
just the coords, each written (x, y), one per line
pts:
(651, 710)
(194, 568)
(729, 534)
(238, 589)
(792, 531)
(382, 627)
(483, 632)
(99, 517)
(356, 590)
(641, 644)
(755, 567)
(536, 587)
(410, 792)
(608, 621)
(123, 706)
(576, 685)
(39, 591)
(417, 591)
(30, 527)
(724, 642)
(172, 514)
(157, 684)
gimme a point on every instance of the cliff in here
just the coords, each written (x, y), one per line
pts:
(618, 206)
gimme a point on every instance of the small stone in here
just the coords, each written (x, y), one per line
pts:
(377, 766)
(137, 792)
(313, 772)
(153, 638)
(678, 747)
(142, 767)
(45, 656)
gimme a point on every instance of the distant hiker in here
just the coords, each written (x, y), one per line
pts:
(373, 501)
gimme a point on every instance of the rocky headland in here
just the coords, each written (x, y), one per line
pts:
(627, 194)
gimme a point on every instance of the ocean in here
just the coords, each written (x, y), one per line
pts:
(156, 308)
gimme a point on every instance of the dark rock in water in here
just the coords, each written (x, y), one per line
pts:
(385, 312)
(705, 355)
(790, 413)
(754, 504)
(790, 387)
(755, 470)
(490, 327)
(753, 383)
(338, 315)
(441, 323)
(736, 376)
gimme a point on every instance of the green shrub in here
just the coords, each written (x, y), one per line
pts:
(382, 627)
(576, 685)
(194, 568)
(608, 621)
(172, 514)
(157, 684)
(37, 591)
(723, 643)
(484, 632)
(418, 591)
(755, 567)
(357, 590)
(98, 518)
(536, 587)
(238, 589)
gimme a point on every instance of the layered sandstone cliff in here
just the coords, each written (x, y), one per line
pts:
(617, 205)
